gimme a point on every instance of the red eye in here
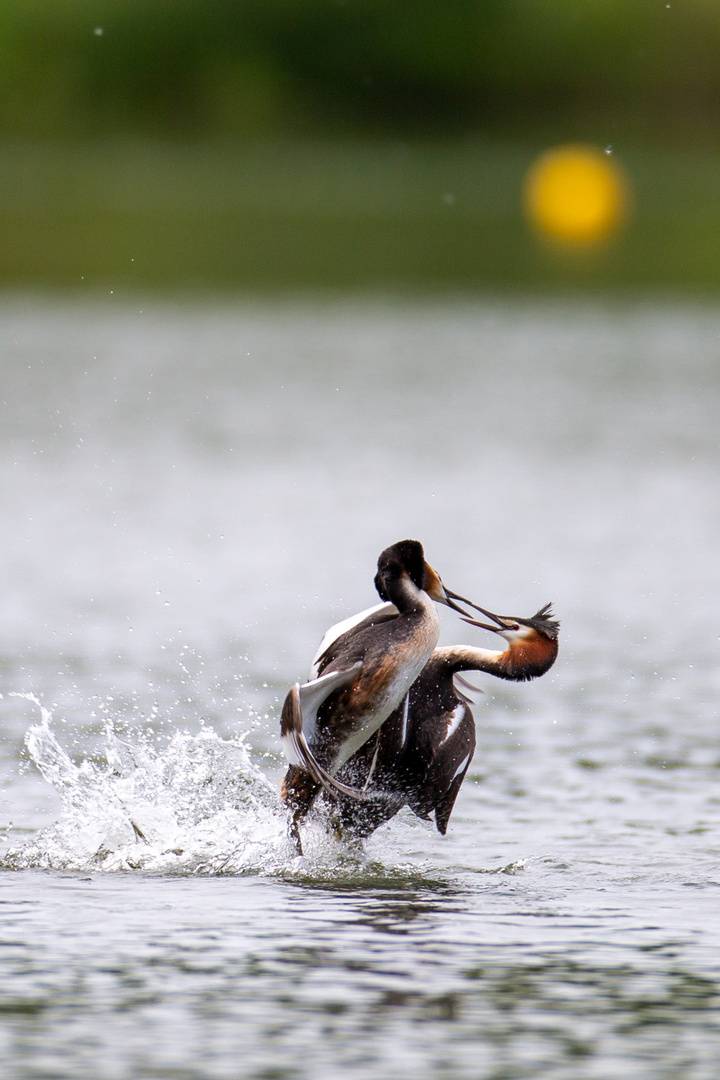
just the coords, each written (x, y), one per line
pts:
(515, 626)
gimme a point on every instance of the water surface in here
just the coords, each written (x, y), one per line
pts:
(191, 496)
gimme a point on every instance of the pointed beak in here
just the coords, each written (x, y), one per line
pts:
(497, 619)
(436, 591)
(449, 598)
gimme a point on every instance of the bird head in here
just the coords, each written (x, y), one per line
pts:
(532, 643)
(515, 629)
(408, 558)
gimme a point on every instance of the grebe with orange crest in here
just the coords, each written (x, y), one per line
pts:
(422, 753)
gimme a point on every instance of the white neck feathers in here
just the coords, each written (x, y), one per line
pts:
(468, 658)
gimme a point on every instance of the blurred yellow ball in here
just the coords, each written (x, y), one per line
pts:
(577, 195)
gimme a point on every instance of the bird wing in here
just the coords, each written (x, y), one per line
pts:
(445, 745)
(350, 626)
(444, 805)
(310, 697)
(312, 694)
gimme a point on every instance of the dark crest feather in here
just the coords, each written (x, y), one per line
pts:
(544, 622)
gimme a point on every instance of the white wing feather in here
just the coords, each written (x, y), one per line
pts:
(310, 697)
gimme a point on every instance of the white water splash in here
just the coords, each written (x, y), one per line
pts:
(197, 805)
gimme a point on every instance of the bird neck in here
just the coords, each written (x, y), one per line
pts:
(406, 596)
(468, 658)
(520, 661)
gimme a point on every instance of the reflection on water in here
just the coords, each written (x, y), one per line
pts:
(191, 497)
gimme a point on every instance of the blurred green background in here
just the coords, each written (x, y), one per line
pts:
(263, 144)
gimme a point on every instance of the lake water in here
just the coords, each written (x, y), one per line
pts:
(191, 495)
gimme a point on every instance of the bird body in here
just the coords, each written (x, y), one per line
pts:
(363, 671)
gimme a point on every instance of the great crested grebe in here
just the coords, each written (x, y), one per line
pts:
(364, 669)
(421, 754)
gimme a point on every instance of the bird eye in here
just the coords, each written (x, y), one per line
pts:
(515, 626)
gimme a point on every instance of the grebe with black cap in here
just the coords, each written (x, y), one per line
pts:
(365, 667)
